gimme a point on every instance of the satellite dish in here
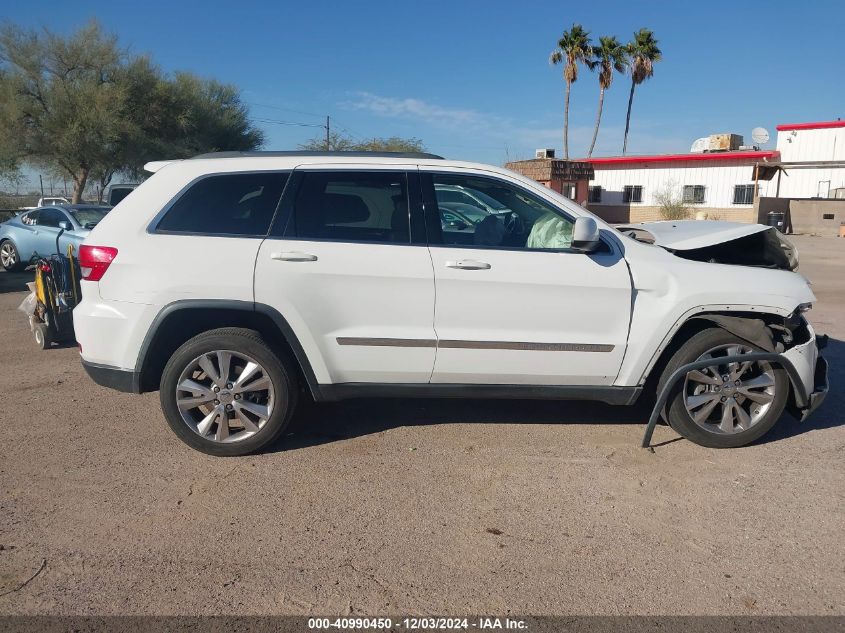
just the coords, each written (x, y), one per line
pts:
(760, 135)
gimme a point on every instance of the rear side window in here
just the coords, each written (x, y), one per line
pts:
(351, 207)
(228, 204)
(50, 217)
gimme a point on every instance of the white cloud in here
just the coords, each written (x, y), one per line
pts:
(414, 109)
(521, 136)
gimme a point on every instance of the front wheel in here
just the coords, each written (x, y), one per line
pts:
(224, 392)
(725, 405)
(10, 259)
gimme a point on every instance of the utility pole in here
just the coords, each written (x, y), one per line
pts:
(328, 135)
(41, 180)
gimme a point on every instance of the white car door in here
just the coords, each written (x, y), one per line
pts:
(514, 304)
(341, 267)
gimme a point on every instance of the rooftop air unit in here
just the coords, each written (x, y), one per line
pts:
(547, 152)
(725, 142)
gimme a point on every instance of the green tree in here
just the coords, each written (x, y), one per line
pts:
(390, 144)
(337, 142)
(608, 57)
(643, 53)
(573, 48)
(61, 103)
(81, 105)
(343, 143)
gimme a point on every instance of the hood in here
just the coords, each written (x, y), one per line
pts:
(719, 242)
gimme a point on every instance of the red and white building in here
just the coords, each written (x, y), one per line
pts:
(807, 163)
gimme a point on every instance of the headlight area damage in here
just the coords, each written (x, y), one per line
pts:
(794, 338)
(719, 242)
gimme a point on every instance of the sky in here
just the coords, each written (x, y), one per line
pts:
(472, 79)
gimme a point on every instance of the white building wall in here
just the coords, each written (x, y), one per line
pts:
(811, 145)
(718, 178)
(823, 144)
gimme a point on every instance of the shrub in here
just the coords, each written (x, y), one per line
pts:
(671, 203)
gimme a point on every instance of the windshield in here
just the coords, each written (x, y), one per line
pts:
(90, 216)
(490, 202)
(460, 195)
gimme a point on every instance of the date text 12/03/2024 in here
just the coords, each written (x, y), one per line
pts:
(418, 623)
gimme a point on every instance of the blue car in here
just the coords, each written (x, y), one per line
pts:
(33, 234)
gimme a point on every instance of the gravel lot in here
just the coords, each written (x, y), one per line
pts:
(411, 506)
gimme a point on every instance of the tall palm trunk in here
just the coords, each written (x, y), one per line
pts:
(628, 117)
(598, 122)
(566, 122)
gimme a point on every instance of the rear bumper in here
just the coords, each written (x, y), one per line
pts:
(115, 378)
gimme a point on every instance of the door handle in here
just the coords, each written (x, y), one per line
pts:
(468, 264)
(293, 256)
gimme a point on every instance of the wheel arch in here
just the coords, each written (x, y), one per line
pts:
(181, 320)
(752, 327)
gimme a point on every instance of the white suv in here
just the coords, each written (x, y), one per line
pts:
(235, 283)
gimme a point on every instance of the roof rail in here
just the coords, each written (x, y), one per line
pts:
(319, 153)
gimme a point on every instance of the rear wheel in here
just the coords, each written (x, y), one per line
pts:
(224, 392)
(9, 257)
(724, 405)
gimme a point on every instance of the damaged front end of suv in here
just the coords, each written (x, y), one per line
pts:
(795, 339)
(719, 242)
(740, 279)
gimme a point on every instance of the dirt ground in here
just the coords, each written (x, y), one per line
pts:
(411, 506)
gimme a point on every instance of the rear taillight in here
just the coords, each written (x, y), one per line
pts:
(94, 261)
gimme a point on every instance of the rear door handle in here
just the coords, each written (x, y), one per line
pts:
(468, 264)
(293, 257)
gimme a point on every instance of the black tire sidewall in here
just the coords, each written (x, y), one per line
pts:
(238, 340)
(676, 413)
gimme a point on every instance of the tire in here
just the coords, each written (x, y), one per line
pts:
(255, 415)
(10, 258)
(43, 336)
(763, 407)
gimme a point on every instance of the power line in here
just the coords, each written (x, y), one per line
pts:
(275, 107)
(278, 122)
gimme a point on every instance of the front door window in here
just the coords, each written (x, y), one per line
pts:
(494, 214)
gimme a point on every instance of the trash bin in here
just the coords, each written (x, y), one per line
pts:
(776, 219)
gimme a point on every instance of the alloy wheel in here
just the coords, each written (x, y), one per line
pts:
(729, 398)
(225, 396)
(8, 256)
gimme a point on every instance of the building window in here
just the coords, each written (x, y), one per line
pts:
(744, 194)
(568, 190)
(632, 193)
(694, 194)
(595, 194)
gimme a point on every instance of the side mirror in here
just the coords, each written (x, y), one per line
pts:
(65, 225)
(585, 235)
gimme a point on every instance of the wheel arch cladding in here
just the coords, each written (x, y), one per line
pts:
(749, 327)
(180, 321)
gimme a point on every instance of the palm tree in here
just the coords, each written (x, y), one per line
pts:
(643, 53)
(572, 48)
(610, 55)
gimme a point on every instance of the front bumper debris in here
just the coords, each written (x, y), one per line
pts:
(821, 387)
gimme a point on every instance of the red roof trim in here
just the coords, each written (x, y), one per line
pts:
(677, 158)
(819, 125)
